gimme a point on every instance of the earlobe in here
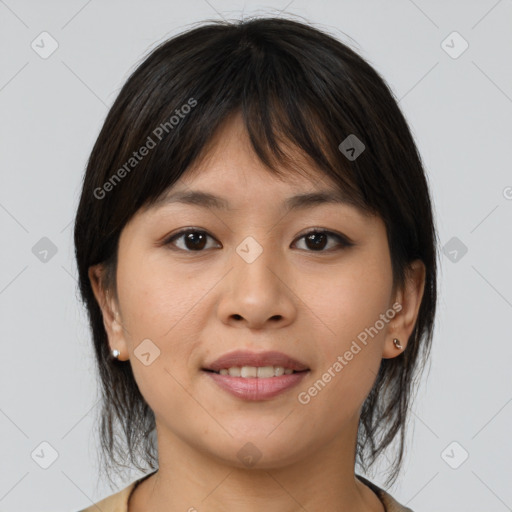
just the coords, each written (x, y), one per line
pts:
(409, 297)
(109, 310)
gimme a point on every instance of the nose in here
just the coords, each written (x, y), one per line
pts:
(257, 293)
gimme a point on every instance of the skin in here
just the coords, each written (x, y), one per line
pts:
(306, 302)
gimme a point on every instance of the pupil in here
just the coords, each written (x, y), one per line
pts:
(316, 245)
(194, 245)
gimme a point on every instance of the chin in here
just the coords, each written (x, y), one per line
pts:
(260, 451)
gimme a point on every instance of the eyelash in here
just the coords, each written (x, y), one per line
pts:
(343, 241)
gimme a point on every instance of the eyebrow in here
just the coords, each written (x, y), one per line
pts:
(296, 202)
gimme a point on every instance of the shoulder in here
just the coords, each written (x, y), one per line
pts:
(390, 504)
(117, 502)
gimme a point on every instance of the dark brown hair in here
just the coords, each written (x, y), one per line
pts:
(297, 87)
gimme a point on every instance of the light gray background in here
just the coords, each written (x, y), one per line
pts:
(459, 110)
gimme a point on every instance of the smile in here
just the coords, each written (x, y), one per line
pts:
(261, 372)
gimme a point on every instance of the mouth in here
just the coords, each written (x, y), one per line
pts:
(253, 376)
(261, 365)
(260, 372)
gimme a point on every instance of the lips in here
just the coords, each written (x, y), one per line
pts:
(240, 358)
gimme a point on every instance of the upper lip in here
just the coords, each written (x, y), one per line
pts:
(240, 358)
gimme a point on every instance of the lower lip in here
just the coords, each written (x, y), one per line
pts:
(253, 388)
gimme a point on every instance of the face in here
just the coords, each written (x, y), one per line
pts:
(254, 276)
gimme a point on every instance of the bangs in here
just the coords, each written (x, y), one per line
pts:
(278, 99)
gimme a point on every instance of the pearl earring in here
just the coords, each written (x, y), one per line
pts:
(397, 344)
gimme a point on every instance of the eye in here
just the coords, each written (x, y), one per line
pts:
(194, 240)
(317, 240)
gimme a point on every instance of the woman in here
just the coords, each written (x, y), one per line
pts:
(257, 254)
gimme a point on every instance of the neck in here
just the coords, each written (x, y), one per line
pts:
(190, 480)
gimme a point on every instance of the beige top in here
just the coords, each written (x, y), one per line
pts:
(119, 502)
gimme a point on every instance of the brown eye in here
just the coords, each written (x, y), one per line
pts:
(196, 240)
(316, 241)
(192, 240)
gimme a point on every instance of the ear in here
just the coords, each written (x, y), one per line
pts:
(409, 298)
(110, 311)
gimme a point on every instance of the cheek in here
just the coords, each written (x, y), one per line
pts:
(348, 309)
(162, 303)
(351, 345)
(156, 304)
(156, 298)
(349, 299)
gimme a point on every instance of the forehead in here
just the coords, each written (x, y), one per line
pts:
(230, 150)
(222, 187)
(228, 173)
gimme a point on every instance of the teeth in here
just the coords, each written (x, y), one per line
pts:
(265, 372)
(248, 371)
(262, 372)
